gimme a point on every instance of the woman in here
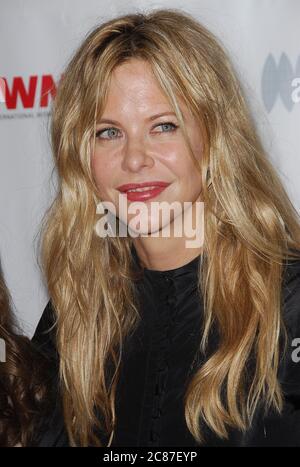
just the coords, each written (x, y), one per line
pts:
(161, 344)
(26, 379)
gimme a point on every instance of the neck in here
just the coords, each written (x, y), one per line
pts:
(165, 255)
(164, 252)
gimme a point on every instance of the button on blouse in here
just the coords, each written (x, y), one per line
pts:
(158, 358)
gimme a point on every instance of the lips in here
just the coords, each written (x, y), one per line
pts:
(152, 189)
(132, 186)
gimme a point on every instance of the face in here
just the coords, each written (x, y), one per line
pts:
(135, 145)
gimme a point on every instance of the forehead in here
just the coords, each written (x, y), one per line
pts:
(134, 87)
(133, 83)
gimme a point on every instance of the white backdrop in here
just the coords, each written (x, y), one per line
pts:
(36, 39)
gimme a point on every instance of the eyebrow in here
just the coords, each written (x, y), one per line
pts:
(153, 117)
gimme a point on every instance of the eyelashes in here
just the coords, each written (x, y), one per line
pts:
(174, 127)
(99, 132)
(171, 124)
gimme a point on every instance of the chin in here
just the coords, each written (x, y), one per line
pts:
(145, 230)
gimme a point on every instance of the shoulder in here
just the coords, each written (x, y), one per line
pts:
(44, 337)
(291, 282)
(289, 370)
(291, 296)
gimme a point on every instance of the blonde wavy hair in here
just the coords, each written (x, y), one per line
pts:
(251, 227)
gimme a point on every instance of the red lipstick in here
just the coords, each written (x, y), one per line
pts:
(154, 188)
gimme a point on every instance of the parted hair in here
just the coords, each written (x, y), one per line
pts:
(250, 228)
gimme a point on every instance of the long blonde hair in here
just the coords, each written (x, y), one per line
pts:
(250, 228)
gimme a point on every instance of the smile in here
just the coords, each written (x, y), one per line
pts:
(145, 193)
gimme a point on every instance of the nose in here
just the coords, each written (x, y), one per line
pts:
(136, 155)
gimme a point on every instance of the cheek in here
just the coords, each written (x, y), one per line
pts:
(96, 169)
(174, 157)
(101, 173)
(188, 175)
(182, 165)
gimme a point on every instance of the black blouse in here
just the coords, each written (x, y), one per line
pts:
(160, 357)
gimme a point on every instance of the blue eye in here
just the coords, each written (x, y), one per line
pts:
(100, 132)
(112, 131)
(166, 124)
